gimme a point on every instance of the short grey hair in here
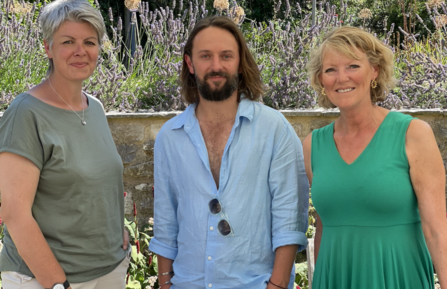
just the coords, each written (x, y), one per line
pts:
(59, 11)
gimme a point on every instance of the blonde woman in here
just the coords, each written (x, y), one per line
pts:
(378, 180)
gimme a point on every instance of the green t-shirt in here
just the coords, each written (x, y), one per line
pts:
(79, 202)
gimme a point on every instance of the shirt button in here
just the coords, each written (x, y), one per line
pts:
(210, 285)
(209, 258)
(211, 228)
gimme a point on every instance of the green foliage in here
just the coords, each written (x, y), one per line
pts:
(143, 268)
(301, 277)
(311, 230)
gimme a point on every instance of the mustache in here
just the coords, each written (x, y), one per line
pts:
(217, 73)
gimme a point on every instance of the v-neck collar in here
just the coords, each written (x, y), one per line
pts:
(365, 149)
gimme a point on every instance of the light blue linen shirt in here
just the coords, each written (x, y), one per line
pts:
(263, 190)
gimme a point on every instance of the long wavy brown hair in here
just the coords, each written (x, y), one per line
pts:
(250, 83)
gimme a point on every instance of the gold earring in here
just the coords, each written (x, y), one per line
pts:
(322, 92)
(373, 83)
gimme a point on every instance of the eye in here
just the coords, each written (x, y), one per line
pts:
(226, 56)
(67, 42)
(91, 43)
(204, 56)
(329, 70)
(354, 66)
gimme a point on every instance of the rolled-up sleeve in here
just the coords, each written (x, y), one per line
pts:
(290, 192)
(166, 229)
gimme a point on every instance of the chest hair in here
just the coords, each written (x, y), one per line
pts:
(216, 135)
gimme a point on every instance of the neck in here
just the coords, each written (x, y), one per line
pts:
(71, 92)
(217, 110)
(354, 120)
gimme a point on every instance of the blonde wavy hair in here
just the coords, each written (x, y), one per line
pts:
(345, 40)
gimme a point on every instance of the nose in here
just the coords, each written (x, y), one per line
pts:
(80, 51)
(216, 64)
(342, 75)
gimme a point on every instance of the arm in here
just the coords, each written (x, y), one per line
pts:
(164, 266)
(164, 243)
(284, 261)
(307, 149)
(18, 186)
(428, 178)
(290, 202)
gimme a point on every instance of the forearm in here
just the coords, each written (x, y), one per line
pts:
(284, 261)
(34, 250)
(164, 266)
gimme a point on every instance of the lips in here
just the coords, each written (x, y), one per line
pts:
(79, 64)
(345, 89)
(216, 78)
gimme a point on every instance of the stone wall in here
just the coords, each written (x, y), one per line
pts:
(134, 135)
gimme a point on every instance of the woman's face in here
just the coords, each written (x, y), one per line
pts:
(347, 81)
(74, 51)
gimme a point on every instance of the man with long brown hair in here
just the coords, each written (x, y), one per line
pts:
(231, 194)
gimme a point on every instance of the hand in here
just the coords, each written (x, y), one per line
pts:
(270, 286)
(125, 240)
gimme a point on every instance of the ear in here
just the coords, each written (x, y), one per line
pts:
(189, 63)
(47, 48)
(376, 71)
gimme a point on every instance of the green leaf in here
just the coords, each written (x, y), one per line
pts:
(137, 257)
(155, 264)
(133, 285)
(301, 268)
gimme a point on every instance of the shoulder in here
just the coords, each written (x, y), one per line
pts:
(318, 133)
(269, 117)
(418, 130)
(399, 118)
(420, 142)
(93, 100)
(23, 105)
(169, 128)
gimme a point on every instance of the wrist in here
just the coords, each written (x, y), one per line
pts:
(279, 284)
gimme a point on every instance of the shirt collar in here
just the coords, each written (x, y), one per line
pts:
(188, 118)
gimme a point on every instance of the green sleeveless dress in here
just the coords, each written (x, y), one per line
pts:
(372, 235)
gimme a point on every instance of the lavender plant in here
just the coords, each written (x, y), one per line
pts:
(421, 66)
(147, 78)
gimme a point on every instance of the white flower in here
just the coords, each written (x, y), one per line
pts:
(221, 5)
(441, 20)
(132, 5)
(239, 14)
(151, 281)
(435, 3)
(365, 13)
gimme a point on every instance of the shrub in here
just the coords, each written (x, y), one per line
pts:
(147, 77)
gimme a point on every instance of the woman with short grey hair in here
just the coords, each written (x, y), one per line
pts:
(61, 185)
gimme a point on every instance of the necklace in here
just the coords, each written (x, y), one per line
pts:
(81, 118)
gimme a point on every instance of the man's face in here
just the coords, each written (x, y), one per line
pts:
(215, 63)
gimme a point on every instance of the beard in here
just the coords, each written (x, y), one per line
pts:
(217, 94)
